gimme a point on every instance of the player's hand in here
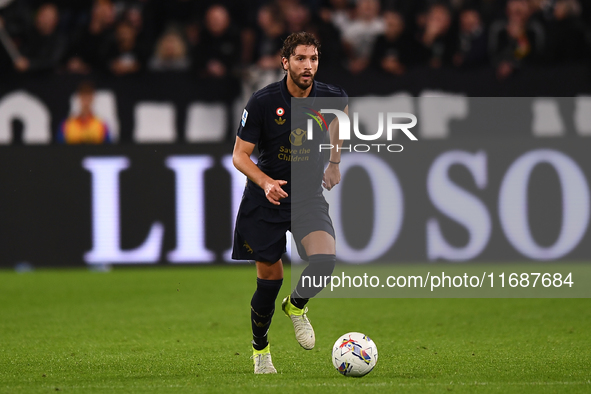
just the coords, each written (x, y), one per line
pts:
(274, 192)
(331, 177)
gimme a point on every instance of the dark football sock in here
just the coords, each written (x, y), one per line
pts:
(262, 307)
(313, 279)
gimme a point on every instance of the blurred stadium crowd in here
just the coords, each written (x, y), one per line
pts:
(242, 38)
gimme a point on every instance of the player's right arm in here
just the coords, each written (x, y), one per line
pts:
(242, 162)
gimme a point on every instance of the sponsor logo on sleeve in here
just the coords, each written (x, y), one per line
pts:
(244, 116)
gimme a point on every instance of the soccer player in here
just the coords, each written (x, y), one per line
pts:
(265, 213)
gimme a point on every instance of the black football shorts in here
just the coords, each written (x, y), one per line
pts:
(260, 232)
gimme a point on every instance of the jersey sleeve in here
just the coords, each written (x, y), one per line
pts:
(344, 99)
(251, 121)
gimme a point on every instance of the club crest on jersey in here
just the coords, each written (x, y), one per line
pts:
(297, 137)
(280, 112)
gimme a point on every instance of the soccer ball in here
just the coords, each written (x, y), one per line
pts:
(354, 354)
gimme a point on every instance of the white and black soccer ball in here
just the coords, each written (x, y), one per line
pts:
(354, 354)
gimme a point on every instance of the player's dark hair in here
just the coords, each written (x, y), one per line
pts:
(294, 39)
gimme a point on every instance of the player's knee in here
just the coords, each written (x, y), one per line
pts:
(270, 271)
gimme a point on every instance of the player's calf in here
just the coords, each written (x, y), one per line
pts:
(262, 307)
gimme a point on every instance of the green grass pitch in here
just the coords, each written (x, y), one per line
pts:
(187, 330)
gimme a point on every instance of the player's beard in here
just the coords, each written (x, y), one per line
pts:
(298, 79)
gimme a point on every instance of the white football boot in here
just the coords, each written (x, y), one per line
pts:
(304, 332)
(262, 361)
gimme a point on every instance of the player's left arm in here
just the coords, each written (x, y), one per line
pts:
(332, 174)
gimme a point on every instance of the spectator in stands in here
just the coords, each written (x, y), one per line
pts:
(392, 50)
(268, 41)
(338, 12)
(145, 40)
(472, 45)
(85, 127)
(44, 46)
(360, 35)
(269, 38)
(540, 11)
(160, 15)
(567, 38)
(333, 51)
(123, 56)
(515, 40)
(133, 14)
(89, 43)
(218, 51)
(15, 17)
(435, 40)
(171, 53)
(297, 17)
